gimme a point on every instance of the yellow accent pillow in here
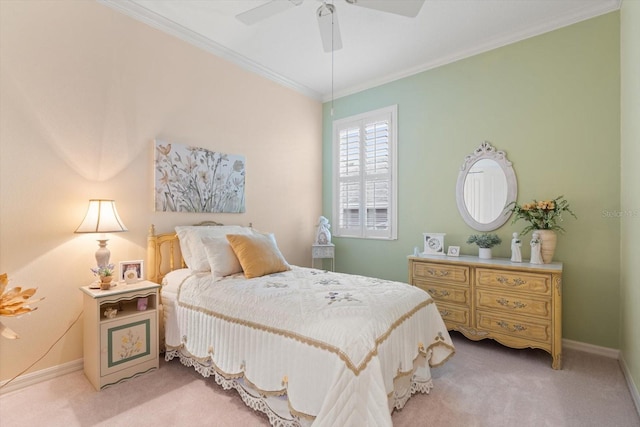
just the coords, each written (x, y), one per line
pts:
(258, 254)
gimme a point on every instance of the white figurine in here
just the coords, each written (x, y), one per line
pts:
(536, 255)
(516, 254)
(323, 235)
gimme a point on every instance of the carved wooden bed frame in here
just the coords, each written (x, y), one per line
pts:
(163, 252)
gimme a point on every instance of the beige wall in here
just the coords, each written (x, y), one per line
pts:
(630, 188)
(84, 92)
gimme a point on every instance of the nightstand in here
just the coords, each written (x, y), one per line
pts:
(120, 332)
(323, 252)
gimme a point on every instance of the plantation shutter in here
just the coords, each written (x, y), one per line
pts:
(364, 203)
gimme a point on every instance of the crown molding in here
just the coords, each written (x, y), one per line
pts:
(546, 26)
(161, 23)
(168, 26)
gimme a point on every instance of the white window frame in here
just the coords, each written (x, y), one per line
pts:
(391, 233)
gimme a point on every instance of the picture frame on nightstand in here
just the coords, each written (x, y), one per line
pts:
(131, 271)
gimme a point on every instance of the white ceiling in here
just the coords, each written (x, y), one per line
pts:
(378, 47)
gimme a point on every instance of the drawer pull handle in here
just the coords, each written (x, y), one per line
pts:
(505, 281)
(505, 303)
(516, 328)
(438, 294)
(445, 313)
(438, 273)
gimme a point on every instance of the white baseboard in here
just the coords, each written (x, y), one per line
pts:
(39, 376)
(632, 386)
(613, 354)
(590, 348)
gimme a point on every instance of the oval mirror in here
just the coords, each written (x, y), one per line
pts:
(486, 184)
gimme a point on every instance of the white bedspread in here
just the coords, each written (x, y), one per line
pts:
(334, 343)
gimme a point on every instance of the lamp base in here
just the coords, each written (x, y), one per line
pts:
(103, 254)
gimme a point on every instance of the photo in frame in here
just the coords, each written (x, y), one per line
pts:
(131, 271)
(453, 251)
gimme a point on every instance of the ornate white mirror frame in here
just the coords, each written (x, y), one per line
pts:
(486, 151)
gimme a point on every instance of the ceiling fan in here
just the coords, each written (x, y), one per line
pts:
(327, 16)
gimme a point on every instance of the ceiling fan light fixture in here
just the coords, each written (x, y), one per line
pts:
(329, 28)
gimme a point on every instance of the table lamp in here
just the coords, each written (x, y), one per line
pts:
(101, 217)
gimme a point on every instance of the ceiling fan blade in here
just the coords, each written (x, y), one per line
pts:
(328, 23)
(409, 8)
(266, 10)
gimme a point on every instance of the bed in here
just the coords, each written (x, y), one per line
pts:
(302, 345)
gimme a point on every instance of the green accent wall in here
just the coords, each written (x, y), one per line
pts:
(552, 102)
(630, 191)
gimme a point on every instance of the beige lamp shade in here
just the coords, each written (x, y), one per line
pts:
(102, 217)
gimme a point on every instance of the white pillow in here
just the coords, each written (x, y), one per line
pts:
(222, 260)
(191, 244)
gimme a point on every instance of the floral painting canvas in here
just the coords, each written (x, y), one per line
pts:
(128, 342)
(192, 179)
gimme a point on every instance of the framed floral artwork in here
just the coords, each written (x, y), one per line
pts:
(192, 179)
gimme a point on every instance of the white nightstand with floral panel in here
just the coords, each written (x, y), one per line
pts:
(120, 332)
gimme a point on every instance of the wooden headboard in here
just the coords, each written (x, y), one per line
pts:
(163, 253)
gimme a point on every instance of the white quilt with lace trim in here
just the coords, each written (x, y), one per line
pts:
(332, 342)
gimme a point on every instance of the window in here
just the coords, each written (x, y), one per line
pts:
(364, 175)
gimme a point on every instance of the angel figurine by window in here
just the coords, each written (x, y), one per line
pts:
(323, 235)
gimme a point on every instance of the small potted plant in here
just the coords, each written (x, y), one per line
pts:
(485, 242)
(105, 273)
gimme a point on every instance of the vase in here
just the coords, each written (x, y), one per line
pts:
(548, 241)
(105, 282)
(484, 253)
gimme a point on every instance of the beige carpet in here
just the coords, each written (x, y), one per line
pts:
(484, 384)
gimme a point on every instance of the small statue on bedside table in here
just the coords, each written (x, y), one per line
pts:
(516, 254)
(323, 235)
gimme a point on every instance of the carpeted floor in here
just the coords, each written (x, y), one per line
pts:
(484, 384)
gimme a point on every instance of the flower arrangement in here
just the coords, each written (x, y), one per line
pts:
(104, 270)
(484, 240)
(541, 215)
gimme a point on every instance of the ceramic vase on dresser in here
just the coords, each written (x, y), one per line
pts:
(484, 253)
(548, 241)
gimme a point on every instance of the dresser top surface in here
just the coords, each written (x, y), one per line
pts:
(493, 262)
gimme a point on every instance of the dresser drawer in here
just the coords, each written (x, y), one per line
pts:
(446, 293)
(515, 326)
(513, 303)
(522, 281)
(454, 314)
(440, 272)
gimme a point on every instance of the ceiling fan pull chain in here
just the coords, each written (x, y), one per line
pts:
(332, 62)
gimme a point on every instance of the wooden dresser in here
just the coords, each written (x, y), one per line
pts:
(516, 304)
